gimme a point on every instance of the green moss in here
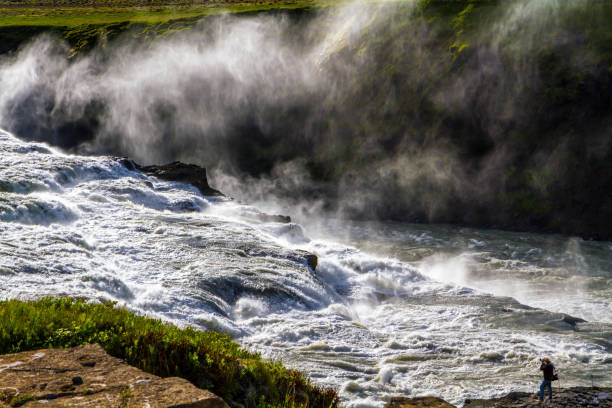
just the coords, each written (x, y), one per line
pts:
(16, 400)
(208, 359)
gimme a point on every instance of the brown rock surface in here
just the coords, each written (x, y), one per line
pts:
(88, 377)
(421, 402)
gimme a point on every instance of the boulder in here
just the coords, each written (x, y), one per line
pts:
(185, 173)
(88, 377)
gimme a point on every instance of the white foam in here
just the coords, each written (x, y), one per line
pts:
(385, 375)
(247, 308)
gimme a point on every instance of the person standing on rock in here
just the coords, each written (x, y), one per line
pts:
(548, 370)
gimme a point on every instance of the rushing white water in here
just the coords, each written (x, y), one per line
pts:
(391, 309)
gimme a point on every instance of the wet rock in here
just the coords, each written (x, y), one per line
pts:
(312, 261)
(402, 402)
(568, 397)
(185, 173)
(571, 320)
(127, 163)
(263, 217)
(301, 256)
(59, 378)
(254, 214)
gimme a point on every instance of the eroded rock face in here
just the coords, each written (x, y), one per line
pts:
(88, 377)
(186, 173)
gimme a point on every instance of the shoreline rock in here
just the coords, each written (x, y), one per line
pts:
(566, 397)
(589, 397)
(419, 402)
(87, 376)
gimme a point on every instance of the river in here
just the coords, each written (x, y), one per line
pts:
(391, 308)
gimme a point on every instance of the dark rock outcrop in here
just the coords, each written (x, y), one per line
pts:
(253, 214)
(87, 377)
(312, 261)
(185, 173)
(263, 217)
(304, 257)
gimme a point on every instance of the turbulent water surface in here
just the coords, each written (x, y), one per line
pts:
(391, 309)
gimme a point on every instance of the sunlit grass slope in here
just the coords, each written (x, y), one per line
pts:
(43, 13)
(208, 359)
(84, 23)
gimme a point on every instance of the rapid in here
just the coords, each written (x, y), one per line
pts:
(391, 308)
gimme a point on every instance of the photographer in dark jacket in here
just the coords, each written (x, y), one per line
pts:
(548, 370)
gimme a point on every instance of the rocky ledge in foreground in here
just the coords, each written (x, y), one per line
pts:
(88, 377)
(565, 398)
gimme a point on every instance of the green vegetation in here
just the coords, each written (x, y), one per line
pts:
(15, 400)
(208, 359)
(72, 16)
(86, 24)
(125, 395)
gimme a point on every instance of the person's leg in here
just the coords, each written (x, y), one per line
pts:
(549, 383)
(542, 390)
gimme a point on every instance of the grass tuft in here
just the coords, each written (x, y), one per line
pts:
(208, 359)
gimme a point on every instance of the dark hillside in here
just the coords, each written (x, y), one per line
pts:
(524, 120)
